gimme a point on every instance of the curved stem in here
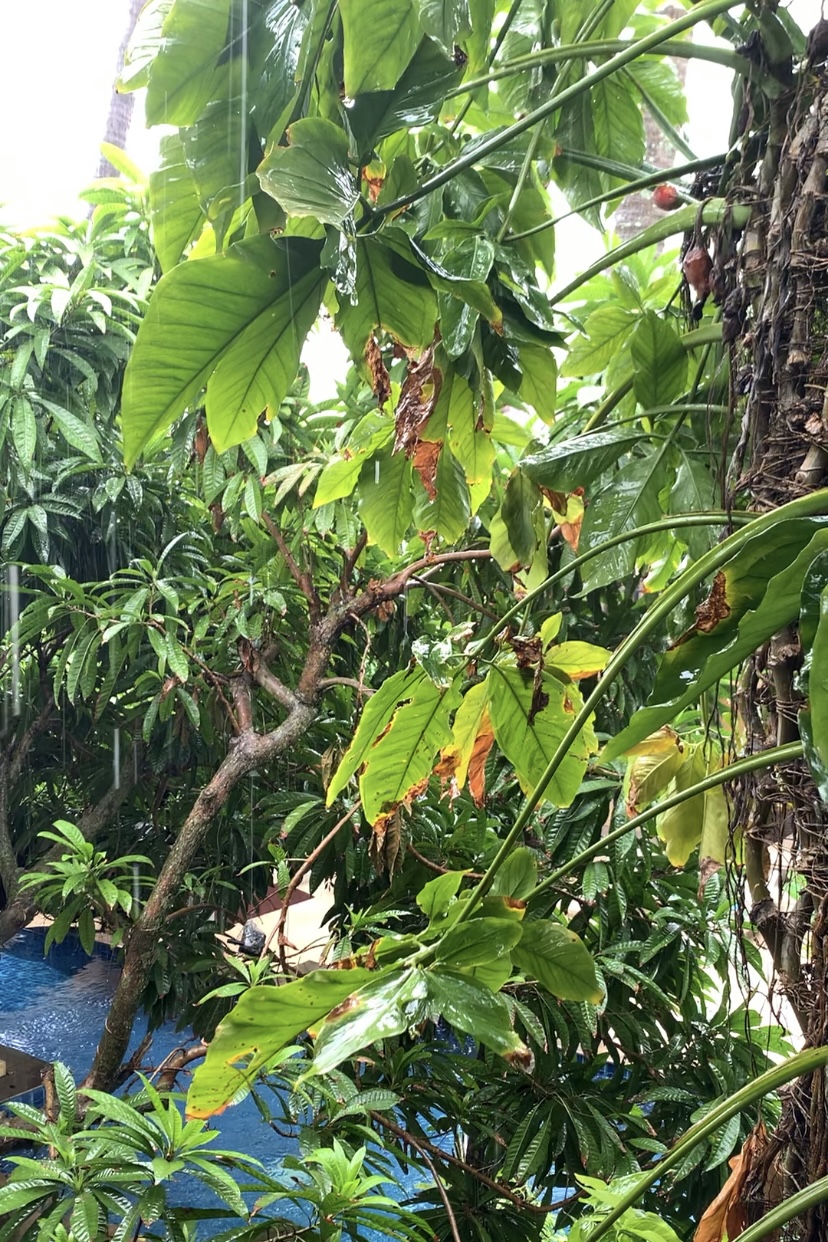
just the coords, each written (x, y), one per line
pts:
(676, 522)
(704, 11)
(658, 177)
(751, 763)
(794, 1067)
(802, 1201)
(601, 47)
(805, 506)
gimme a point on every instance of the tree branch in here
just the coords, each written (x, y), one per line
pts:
(301, 577)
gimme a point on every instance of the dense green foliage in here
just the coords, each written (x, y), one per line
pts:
(400, 641)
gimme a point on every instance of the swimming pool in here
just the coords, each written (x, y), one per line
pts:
(54, 1007)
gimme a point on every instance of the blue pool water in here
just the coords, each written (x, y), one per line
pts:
(54, 1008)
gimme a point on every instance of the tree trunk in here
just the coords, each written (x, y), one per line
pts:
(777, 307)
(121, 106)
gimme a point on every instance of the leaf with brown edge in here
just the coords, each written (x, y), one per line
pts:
(713, 609)
(455, 758)
(419, 391)
(425, 460)
(726, 1217)
(477, 764)
(377, 373)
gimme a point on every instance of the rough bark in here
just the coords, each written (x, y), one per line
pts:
(121, 107)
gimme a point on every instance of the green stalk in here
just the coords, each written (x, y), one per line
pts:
(704, 11)
(751, 763)
(658, 177)
(802, 1201)
(794, 1067)
(816, 503)
(714, 211)
(601, 47)
(591, 24)
(678, 521)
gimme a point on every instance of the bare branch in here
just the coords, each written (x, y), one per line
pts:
(303, 580)
(354, 682)
(351, 559)
(269, 682)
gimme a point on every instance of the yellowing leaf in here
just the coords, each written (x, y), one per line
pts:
(577, 659)
(700, 821)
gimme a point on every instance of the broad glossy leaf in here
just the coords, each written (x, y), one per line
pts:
(414, 101)
(438, 894)
(376, 716)
(518, 875)
(445, 20)
(756, 594)
(538, 387)
(558, 959)
(629, 500)
(176, 216)
(386, 503)
(187, 73)
(311, 177)
(380, 37)
(145, 44)
(472, 258)
(605, 333)
(386, 1006)
(399, 763)
(701, 821)
(456, 421)
(477, 941)
(393, 294)
(576, 463)
(212, 149)
(652, 766)
(659, 361)
(287, 28)
(617, 120)
(235, 322)
(264, 1021)
(470, 1006)
(529, 730)
(341, 474)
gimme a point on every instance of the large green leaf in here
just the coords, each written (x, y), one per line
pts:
(659, 361)
(604, 335)
(287, 29)
(520, 503)
(477, 941)
(700, 821)
(558, 959)
(471, 1007)
(576, 463)
(386, 1006)
(529, 724)
(380, 37)
(399, 762)
(756, 594)
(212, 149)
(187, 72)
(145, 44)
(311, 177)
(264, 1021)
(386, 502)
(617, 120)
(376, 716)
(629, 500)
(445, 20)
(392, 293)
(176, 215)
(234, 322)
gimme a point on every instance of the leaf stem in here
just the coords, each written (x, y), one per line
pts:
(704, 11)
(750, 763)
(802, 1201)
(794, 1067)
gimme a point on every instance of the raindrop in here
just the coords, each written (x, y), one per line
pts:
(14, 605)
(116, 756)
(376, 473)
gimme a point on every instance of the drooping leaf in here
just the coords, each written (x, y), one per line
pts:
(529, 723)
(558, 959)
(380, 37)
(518, 875)
(752, 597)
(263, 1021)
(445, 20)
(470, 719)
(399, 762)
(176, 214)
(234, 323)
(447, 512)
(438, 894)
(311, 177)
(813, 632)
(629, 500)
(477, 941)
(470, 1006)
(186, 73)
(616, 115)
(605, 333)
(393, 294)
(701, 821)
(388, 1005)
(576, 463)
(520, 502)
(576, 659)
(386, 503)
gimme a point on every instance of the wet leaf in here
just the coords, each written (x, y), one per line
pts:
(380, 37)
(470, 1006)
(311, 176)
(386, 1006)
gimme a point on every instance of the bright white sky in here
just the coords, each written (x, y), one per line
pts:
(57, 62)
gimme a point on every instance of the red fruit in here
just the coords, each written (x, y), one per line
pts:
(666, 197)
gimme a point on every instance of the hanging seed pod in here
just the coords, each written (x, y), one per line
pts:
(697, 268)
